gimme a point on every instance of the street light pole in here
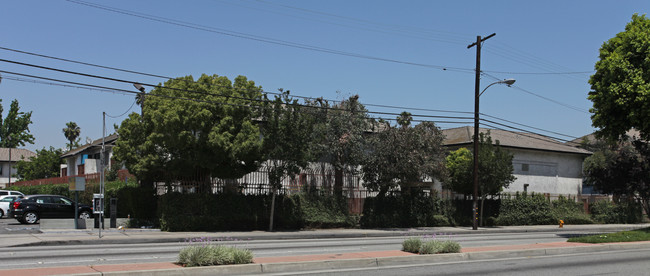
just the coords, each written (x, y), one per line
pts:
(477, 96)
(477, 84)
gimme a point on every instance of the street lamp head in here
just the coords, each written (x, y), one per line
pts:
(509, 82)
(139, 87)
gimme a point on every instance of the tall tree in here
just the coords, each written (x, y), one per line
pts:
(45, 164)
(287, 133)
(403, 155)
(495, 169)
(194, 130)
(339, 135)
(622, 170)
(14, 130)
(71, 133)
(621, 85)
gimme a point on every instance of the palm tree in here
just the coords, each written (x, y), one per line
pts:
(71, 132)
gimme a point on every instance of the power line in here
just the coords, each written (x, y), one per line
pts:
(127, 111)
(170, 78)
(525, 134)
(207, 101)
(262, 39)
(540, 96)
(125, 92)
(260, 100)
(122, 91)
(424, 33)
(523, 130)
(519, 124)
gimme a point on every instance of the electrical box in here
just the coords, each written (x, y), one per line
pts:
(98, 203)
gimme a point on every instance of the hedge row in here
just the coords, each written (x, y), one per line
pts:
(229, 211)
(535, 209)
(520, 209)
(420, 210)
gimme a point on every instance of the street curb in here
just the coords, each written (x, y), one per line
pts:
(372, 233)
(297, 267)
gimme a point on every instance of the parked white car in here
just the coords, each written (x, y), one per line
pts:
(4, 203)
(4, 193)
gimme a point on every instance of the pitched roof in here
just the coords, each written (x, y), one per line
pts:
(16, 154)
(591, 138)
(109, 140)
(522, 140)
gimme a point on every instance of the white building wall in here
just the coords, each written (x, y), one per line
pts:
(546, 172)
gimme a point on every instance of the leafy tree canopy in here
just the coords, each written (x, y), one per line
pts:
(404, 155)
(287, 130)
(14, 130)
(621, 85)
(195, 129)
(495, 168)
(623, 170)
(45, 164)
(339, 133)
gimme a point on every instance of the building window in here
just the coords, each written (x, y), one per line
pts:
(524, 167)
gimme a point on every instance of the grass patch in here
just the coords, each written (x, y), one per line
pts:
(625, 236)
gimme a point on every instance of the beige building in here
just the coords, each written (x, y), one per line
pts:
(7, 165)
(541, 164)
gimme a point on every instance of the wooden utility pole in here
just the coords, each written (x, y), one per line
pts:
(477, 95)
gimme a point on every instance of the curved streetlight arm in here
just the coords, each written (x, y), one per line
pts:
(508, 82)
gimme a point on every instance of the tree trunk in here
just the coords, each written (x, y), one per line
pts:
(272, 210)
(338, 182)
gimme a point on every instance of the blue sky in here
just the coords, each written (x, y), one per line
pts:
(552, 39)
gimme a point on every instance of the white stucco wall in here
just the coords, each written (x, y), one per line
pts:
(547, 172)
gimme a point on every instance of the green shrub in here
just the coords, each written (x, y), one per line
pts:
(525, 209)
(413, 210)
(416, 245)
(242, 256)
(490, 221)
(621, 212)
(570, 211)
(449, 246)
(203, 255)
(231, 211)
(439, 247)
(412, 245)
(195, 256)
(440, 220)
(431, 247)
(324, 211)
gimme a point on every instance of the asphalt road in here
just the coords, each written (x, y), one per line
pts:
(12, 226)
(66, 255)
(622, 262)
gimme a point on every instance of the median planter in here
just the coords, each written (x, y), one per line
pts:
(202, 252)
(432, 246)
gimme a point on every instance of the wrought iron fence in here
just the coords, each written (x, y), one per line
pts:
(319, 179)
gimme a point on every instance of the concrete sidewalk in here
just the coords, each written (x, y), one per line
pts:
(113, 236)
(323, 262)
(307, 262)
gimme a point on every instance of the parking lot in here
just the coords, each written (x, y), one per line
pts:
(12, 226)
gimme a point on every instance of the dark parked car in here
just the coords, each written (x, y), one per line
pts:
(32, 208)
